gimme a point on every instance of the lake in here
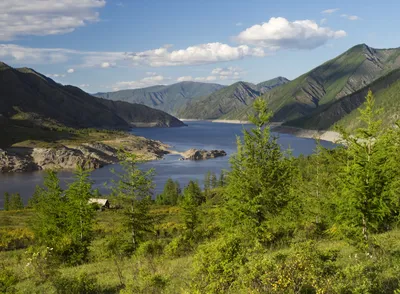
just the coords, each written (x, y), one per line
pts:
(198, 134)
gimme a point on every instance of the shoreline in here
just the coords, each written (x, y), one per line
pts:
(329, 136)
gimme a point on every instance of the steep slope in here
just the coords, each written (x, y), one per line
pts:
(344, 111)
(229, 100)
(167, 98)
(328, 82)
(28, 95)
(221, 102)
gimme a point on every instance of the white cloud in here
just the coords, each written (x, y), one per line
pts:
(323, 21)
(351, 17)
(84, 85)
(226, 73)
(45, 17)
(55, 75)
(164, 56)
(107, 64)
(151, 73)
(71, 70)
(239, 24)
(330, 11)
(145, 82)
(193, 55)
(279, 33)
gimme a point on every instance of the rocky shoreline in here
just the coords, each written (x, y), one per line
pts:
(329, 136)
(86, 155)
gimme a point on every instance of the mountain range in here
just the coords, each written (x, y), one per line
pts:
(27, 94)
(166, 98)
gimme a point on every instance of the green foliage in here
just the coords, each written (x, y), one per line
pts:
(260, 183)
(193, 191)
(63, 220)
(8, 280)
(364, 196)
(190, 211)
(81, 283)
(133, 190)
(6, 201)
(170, 194)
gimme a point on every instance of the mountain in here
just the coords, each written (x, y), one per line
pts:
(227, 100)
(28, 95)
(344, 111)
(166, 98)
(333, 80)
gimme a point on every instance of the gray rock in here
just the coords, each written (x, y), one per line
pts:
(201, 154)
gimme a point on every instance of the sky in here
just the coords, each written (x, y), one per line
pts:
(109, 45)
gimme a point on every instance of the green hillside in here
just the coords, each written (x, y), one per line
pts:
(328, 82)
(228, 100)
(167, 98)
(344, 111)
(33, 106)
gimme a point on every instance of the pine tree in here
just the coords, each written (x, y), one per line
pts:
(80, 214)
(170, 194)
(221, 181)
(16, 202)
(363, 198)
(6, 201)
(260, 182)
(207, 184)
(50, 222)
(189, 212)
(193, 189)
(214, 181)
(134, 190)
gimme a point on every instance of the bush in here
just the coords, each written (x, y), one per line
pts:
(11, 239)
(80, 284)
(7, 280)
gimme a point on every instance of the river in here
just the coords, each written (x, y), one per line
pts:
(198, 134)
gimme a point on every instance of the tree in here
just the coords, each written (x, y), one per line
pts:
(189, 212)
(221, 181)
(80, 214)
(170, 194)
(134, 190)
(16, 202)
(6, 201)
(207, 184)
(214, 181)
(50, 222)
(193, 189)
(259, 188)
(364, 195)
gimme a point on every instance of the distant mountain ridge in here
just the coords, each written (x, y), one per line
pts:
(333, 80)
(28, 95)
(168, 98)
(227, 100)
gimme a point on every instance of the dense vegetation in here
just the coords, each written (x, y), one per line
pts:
(326, 223)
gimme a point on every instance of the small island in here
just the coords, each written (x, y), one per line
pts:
(201, 154)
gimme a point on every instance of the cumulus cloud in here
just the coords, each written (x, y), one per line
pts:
(323, 21)
(351, 17)
(45, 17)
(71, 70)
(279, 33)
(330, 11)
(164, 56)
(219, 73)
(142, 83)
(194, 55)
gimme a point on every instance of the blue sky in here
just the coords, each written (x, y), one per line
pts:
(105, 45)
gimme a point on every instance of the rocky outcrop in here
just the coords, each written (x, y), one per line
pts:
(196, 154)
(87, 155)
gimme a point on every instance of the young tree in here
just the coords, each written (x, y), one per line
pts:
(260, 182)
(214, 181)
(170, 194)
(207, 184)
(6, 201)
(190, 217)
(16, 202)
(80, 214)
(364, 195)
(50, 222)
(221, 181)
(134, 190)
(193, 189)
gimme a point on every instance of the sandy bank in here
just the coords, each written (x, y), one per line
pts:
(311, 134)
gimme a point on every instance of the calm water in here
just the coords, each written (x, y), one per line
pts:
(199, 134)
